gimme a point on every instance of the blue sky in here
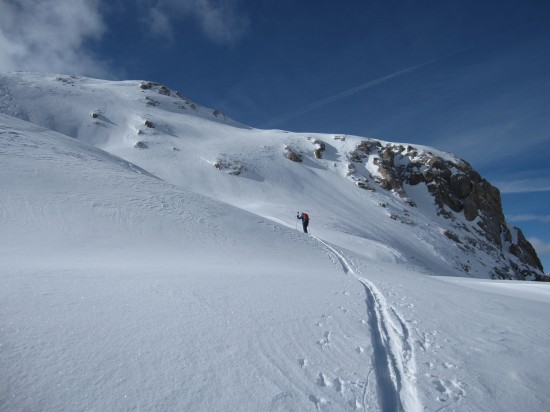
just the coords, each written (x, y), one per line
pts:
(469, 77)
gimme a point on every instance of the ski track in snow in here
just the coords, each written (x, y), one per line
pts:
(393, 356)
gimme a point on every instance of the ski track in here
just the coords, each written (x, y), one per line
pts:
(393, 356)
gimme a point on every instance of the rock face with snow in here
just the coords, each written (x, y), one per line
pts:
(462, 196)
(432, 196)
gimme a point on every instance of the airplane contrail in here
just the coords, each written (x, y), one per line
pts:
(353, 90)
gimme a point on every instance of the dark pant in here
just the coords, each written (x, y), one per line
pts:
(304, 224)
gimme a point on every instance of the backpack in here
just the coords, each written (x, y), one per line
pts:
(305, 216)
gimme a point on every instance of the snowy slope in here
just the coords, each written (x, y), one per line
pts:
(124, 291)
(121, 291)
(56, 187)
(204, 151)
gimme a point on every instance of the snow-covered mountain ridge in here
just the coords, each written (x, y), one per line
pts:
(203, 150)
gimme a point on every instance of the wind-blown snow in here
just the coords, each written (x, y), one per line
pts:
(162, 287)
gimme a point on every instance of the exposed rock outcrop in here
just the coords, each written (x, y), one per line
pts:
(293, 155)
(231, 167)
(460, 194)
(319, 149)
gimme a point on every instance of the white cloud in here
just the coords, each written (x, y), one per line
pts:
(159, 23)
(48, 36)
(220, 20)
(529, 218)
(542, 248)
(524, 186)
(52, 35)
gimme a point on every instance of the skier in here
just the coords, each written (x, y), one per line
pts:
(305, 220)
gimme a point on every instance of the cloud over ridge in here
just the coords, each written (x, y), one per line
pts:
(52, 36)
(49, 36)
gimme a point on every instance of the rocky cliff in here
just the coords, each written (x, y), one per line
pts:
(470, 203)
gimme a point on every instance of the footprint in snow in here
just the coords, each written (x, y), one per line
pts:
(356, 404)
(449, 389)
(281, 397)
(326, 340)
(317, 401)
(323, 380)
(338, 385)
